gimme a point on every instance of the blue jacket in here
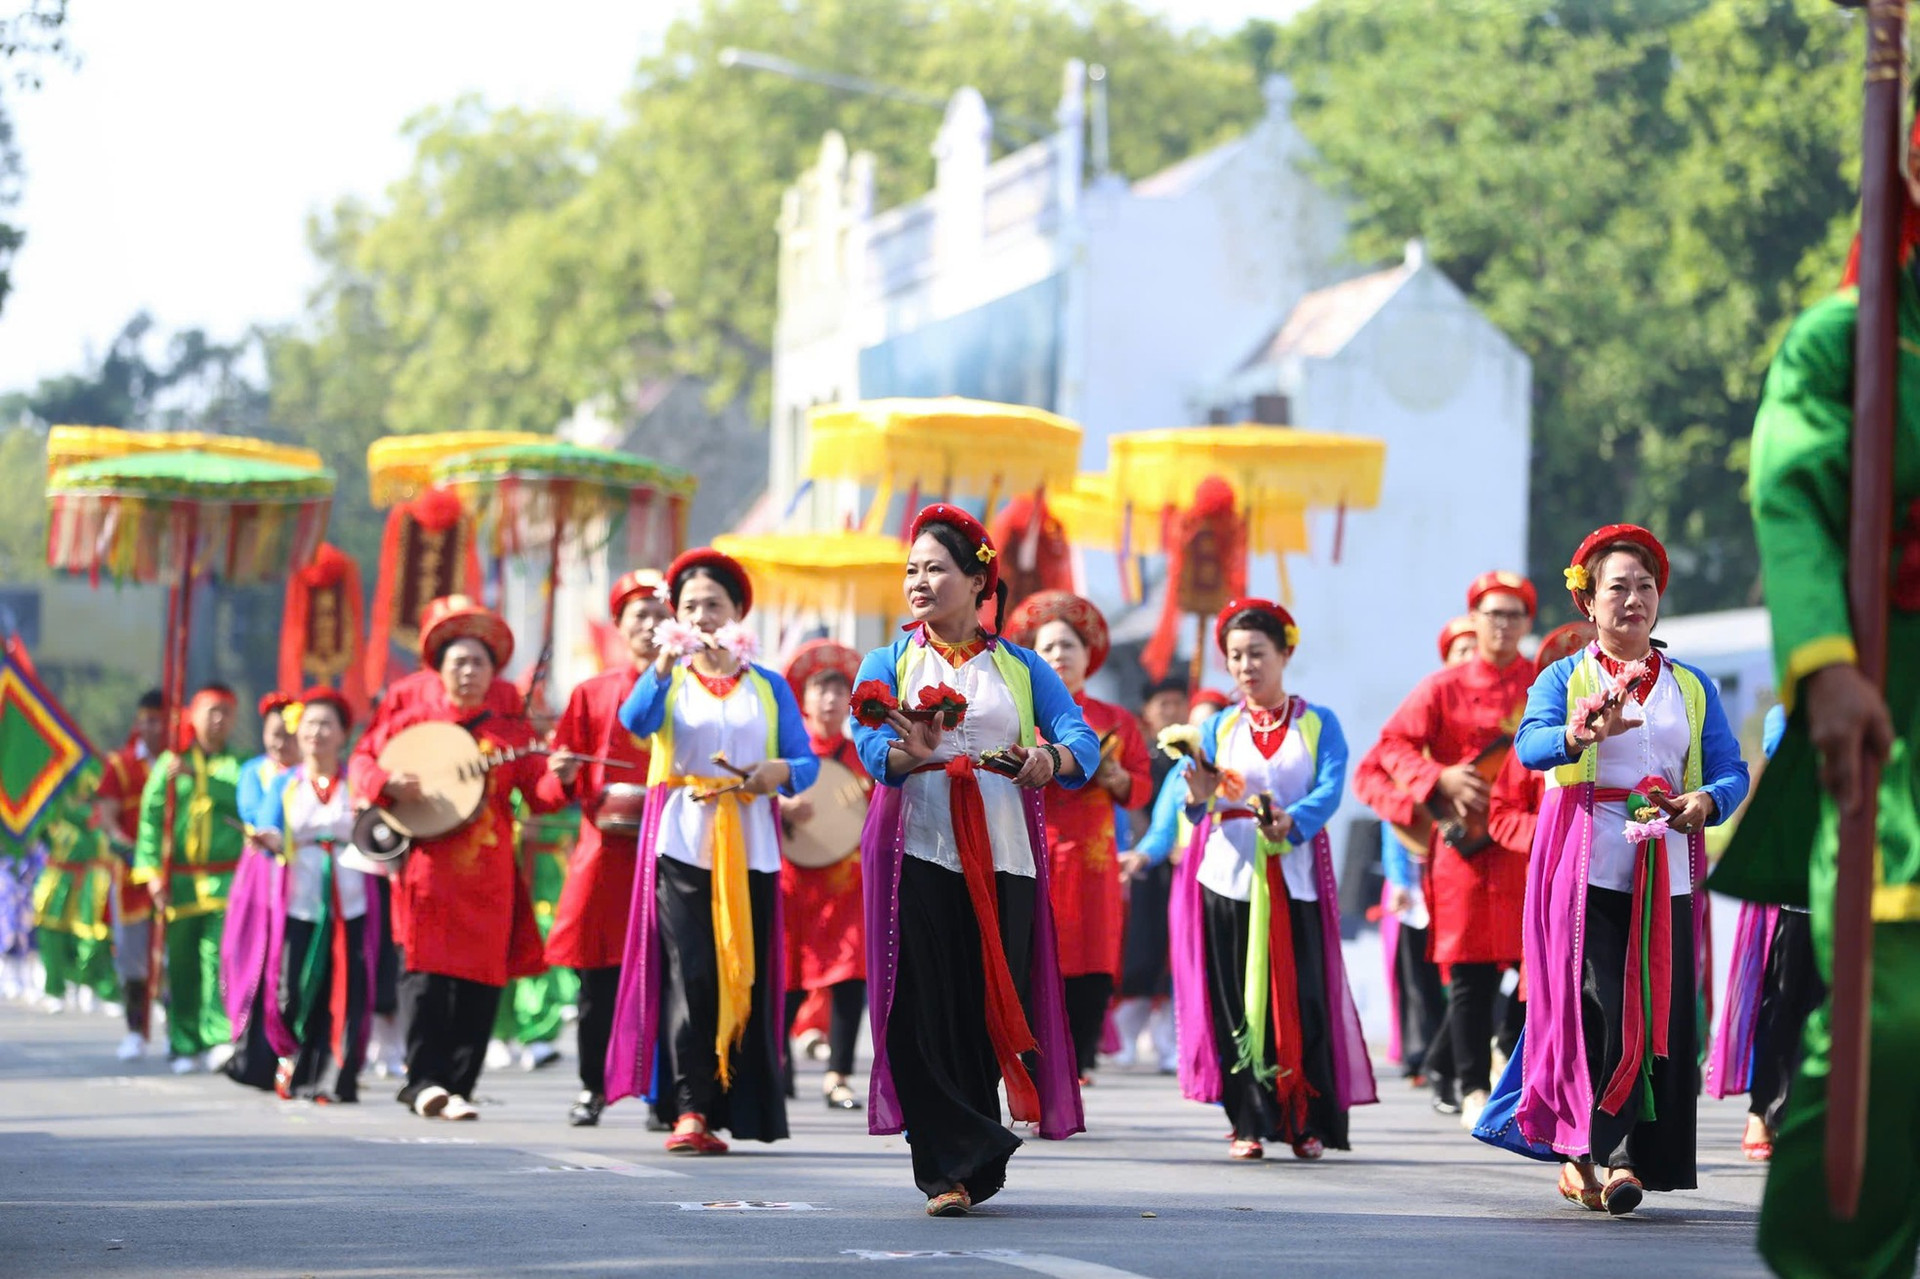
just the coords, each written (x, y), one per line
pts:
(645, 711)
(251, 796)
(1313, 810)
(1163, 826)
(1056, 716)
(1541, 741)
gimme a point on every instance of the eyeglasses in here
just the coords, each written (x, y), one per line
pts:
(1504, 616)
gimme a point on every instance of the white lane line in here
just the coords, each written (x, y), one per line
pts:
(585, 1160)
(1040, 1263)
(749, 1205)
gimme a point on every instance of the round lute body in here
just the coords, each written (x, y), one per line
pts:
(832, 835)
(453, 778)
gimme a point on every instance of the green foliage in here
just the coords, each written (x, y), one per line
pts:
(531, 262)
(29, 38)
(1640, 194)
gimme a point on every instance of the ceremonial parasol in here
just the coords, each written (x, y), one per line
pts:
(848, 571)
(400, 467)
(172, 516)
(1220, 494)
(961, 446)
(539, 496)
(72, 445)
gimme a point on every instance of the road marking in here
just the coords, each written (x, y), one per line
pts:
(749, 1205)
(586, 1161)
(1039, 1263)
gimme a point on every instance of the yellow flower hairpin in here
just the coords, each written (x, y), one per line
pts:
(985, 554)
(290, 715)
(1577, 579)
(1293, 636)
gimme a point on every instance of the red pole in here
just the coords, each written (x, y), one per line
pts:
(1883, 201)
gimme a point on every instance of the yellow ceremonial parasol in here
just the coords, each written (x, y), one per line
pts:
(849, 571)
(947, 446)
(400, 467)
(73, 445)
(1095, 519)
(1152, 470)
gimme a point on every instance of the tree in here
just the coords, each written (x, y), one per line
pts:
(532, 261)
(28, 39)
(1639, 194)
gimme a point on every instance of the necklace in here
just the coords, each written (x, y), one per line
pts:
(956, 655)
(1269, 727)
(323, 787)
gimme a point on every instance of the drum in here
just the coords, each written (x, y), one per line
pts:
(621, 806)
(832, 835)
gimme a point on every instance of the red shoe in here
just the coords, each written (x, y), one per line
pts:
(1309, 1148)
(1246, 1148)
(690, 1137)
(283, 1080)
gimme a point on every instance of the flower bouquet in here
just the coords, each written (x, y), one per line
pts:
(1615, 691)
(1649, 805)
(873, 700)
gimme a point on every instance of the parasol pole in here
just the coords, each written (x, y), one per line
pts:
(173, 690)
(1883, 200)
(1197, 673)
(536, 685)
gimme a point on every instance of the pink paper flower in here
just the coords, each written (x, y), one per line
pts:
(739, 639)
(1647, 832)
(678, 638)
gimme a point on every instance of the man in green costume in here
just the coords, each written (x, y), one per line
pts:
(200, 858)
(70, 901)
(1785, 850)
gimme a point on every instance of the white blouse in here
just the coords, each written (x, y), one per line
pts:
(1226, 864)
(992, 721)
(1656, 747)
(702, 724)
(310, 825)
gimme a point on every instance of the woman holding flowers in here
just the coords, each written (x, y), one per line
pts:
(1639, 760)
(1267, 1024)
(963, 731)
(698, 1020)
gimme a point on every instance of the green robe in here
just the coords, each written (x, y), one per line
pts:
(1786, 846)
(204, 831)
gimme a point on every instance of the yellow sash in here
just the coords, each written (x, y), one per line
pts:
(732, 913)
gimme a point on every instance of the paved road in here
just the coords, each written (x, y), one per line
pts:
(107, 1170)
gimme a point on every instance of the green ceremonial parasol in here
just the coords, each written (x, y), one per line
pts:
(529, 498)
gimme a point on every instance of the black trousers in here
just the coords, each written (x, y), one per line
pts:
(1143, 962)
(386, 973)
(1471, 995)
(944, 1069)
(315, 1072)
(753, 1106)
(599, 987)
(1422, 998)
(1252, 1106)
(1660, 1148)
(449, 1020)
(1792, 989)
(847, 1004)
(1087, 998)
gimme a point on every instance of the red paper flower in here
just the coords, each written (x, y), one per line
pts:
(871, 702)
(947, 704)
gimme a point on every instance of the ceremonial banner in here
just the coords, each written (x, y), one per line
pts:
(321, 627)
(1206, 546)
(430, 551)
(41, 749)
(1035, 553)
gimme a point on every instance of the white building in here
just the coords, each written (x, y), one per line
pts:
(1216, 290)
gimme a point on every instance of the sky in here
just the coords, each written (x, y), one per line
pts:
(175, 168)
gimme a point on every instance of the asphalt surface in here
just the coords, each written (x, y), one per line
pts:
(115, 1169)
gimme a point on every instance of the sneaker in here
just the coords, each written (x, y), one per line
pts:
(132, 1048)
(430, 1101)
(499, 1056)
(184, 1065)
(585, 1111)
(540, 1056)
(459, 1108)
(1470, 1107)
(1446, 1098)
(218, 1056)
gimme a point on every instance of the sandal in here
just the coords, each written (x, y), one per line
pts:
(1622, 1194)
(690, 1137)
(841, 1097)
(1577, 1191)
(1246, 1148)
(951, 1203)
(1757, 1149)
(1309, 1148)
